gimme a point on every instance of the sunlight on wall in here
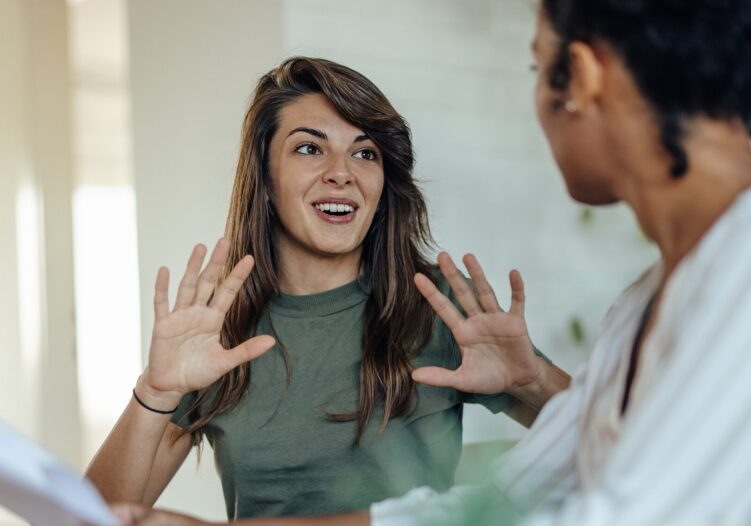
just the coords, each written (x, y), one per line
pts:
(29, 248)
(107, 305)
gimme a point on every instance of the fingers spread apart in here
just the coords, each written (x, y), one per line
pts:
(440, 303)
(464, 293)
(187, 289)
(485, 293)
(208, 278)
(230, 287)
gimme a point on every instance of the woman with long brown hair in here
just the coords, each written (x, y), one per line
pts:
(330, 420)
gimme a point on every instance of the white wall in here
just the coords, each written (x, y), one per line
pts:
(193, 68)
(38, 394)
(37, 297)
(49, 91)
(14, 167)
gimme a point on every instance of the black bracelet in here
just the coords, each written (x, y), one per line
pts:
(151, 408)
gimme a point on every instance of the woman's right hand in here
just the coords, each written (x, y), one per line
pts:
(186, 352)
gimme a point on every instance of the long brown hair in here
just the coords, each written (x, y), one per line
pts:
(397, 321)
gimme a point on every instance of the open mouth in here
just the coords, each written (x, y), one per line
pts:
(335, 209)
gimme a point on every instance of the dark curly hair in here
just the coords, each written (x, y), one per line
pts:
(688, 57)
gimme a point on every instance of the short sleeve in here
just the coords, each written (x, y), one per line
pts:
(496, 403)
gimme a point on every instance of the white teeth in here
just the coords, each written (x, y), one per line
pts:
(335, 207)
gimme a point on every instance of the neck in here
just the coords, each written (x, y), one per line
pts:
(303, 272)
(676, 213)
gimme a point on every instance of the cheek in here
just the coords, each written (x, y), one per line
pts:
(284, 203)
(543, 105)
(538, 98)
(373, 187)
(291, 184)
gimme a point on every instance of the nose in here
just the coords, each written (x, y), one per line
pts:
(338, 173)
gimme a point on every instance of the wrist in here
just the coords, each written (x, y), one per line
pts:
(153, 397)
(548, 381)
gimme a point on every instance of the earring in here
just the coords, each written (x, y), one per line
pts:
(570, 106)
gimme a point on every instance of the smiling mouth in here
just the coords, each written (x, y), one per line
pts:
(336, 213)
(335, 209)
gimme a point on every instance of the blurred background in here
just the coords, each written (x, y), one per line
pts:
(119, 131)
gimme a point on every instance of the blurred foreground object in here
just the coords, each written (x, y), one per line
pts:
(37, 486)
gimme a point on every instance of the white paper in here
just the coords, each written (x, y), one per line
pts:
(41, 489)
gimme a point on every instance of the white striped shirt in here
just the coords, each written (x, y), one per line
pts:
(681, 454)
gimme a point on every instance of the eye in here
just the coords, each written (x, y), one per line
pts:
(367, 154)
(308, 149)
(533, 68)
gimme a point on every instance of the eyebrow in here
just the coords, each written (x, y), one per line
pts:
(322, 135)
(311, 131)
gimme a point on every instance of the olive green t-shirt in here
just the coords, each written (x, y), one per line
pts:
(297, 461)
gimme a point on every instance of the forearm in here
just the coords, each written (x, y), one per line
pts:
(121, 468)
(536, 394)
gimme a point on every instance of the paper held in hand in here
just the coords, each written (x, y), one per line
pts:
(41, 489)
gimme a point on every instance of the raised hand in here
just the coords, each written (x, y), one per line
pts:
(497, 354)
(186, 352)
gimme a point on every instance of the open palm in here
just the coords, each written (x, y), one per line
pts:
(186, 351)
(497, 354)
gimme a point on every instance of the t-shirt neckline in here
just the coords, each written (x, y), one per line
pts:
(322, 303)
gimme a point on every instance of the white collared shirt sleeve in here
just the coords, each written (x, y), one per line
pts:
(550, 444)
(685, 460)
(684, 454)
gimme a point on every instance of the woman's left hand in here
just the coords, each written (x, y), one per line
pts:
(497, 353)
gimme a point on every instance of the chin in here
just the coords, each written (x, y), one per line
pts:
(592, 198)
(590, 191)
(335, 249)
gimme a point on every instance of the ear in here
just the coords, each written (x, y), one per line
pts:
(587, 74)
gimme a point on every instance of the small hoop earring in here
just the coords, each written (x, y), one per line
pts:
(570, 106)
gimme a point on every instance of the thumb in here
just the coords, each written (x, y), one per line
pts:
(247, 351)
(436, 376)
